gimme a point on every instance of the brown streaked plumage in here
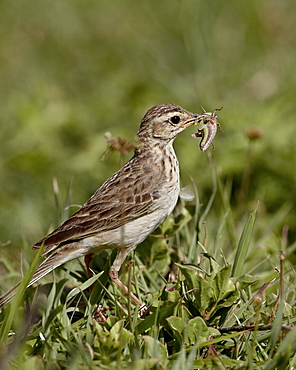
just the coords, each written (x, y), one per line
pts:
(129, 205)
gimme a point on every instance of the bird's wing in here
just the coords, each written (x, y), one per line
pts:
(124, 197)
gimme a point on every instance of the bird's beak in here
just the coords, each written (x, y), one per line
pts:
(191, 121)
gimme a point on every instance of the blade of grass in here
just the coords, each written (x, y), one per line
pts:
(16, 302)
(243, 246)
(212, 197)
(97, 292)
(191, 235)
(83, 286)
(285, 351)
(225, 193)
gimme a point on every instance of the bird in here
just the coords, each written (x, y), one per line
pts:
(128, 206)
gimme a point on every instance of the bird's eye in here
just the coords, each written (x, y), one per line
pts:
(175, 119)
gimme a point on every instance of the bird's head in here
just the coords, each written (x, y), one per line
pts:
(164, 122)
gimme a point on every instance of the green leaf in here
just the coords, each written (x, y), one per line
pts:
(246, 280)
(192, 279)
(222, 284)
(158, 250)
(212, 292)
(116, 329)
(168, 295)
(164, 310)
(155, 349)
(177, 325)
(172, 225)
(200, 287)
(196, 331)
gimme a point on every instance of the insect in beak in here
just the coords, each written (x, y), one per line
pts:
(207, 130)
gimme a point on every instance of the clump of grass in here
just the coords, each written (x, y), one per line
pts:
(209, 306)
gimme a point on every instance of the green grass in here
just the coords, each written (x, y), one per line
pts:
(200, 295)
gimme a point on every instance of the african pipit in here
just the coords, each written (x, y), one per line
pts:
(129, 205)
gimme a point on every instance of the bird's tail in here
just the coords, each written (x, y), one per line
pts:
(60, 256)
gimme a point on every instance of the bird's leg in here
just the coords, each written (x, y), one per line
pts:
(114, 277)
(87, 259)
(113, 273)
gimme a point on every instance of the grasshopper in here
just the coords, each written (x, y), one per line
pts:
(208, 131)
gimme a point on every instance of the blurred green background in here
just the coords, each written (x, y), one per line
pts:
(72, 70)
